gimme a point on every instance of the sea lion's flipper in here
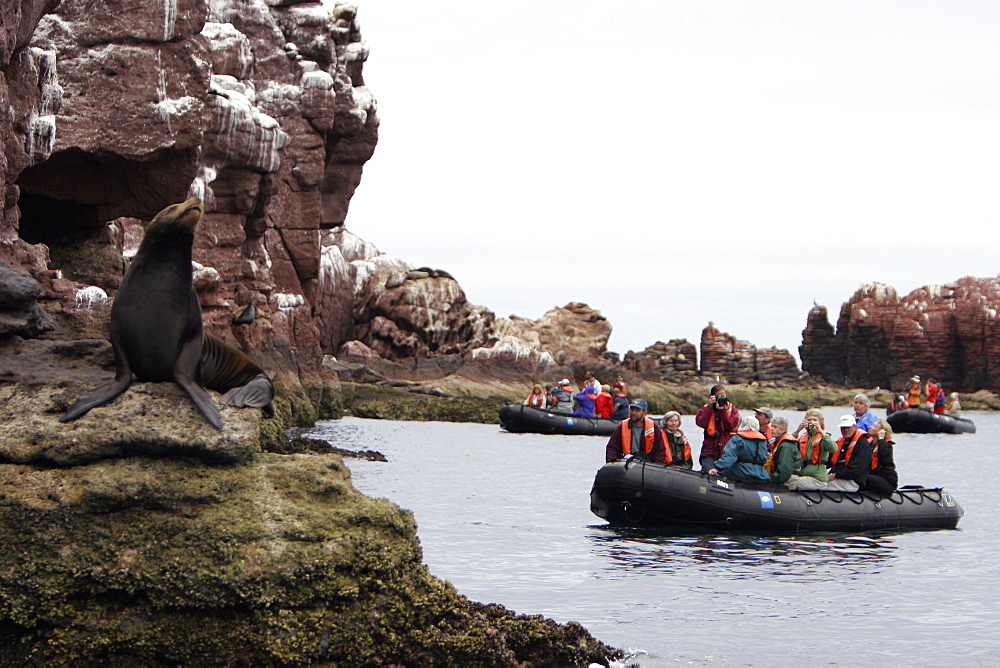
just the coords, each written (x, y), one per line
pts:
(104, 392)
(99, 396)
(257, 393)
(184, 375)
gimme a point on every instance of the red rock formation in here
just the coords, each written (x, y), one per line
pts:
(948, 332)
(672, 362)
(737, 361)
(110, 111)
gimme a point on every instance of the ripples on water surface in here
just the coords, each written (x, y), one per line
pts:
(506, 518)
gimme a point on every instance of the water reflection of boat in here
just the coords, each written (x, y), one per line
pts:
(521, 419)
(639, 493)
(923, 421)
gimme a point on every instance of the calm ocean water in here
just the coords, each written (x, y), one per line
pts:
(506, 518)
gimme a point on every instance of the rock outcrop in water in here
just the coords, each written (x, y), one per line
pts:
(948, 332)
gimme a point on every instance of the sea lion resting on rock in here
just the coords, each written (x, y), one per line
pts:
(156, 329)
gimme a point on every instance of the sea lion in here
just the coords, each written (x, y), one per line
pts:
(156, 328)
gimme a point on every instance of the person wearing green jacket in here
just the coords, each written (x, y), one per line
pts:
(784, 459)
(815, 447)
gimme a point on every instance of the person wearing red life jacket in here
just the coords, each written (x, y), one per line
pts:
(883, 477)
(537, 398)
(851, 462)
(638, 436)
(745, 453)
(604, 404)
(718, 418)
(784, 459)
(677, 442)
(621, 385)
(930, 393)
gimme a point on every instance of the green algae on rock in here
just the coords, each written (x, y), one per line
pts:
(278, 560)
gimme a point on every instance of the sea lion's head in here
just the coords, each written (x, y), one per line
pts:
(177, 220)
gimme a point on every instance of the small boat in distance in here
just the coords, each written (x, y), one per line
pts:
(923, 421)
(633, 492)
(522, 419)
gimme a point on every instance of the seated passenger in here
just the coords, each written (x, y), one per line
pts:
(882, 478)
(784, 459)
(744, 454)
(677, 443)
(852, 461)
(954, 406)
(815, 448)
(585, 403)
(537, 398)
(604, 405)
(939, 400)
(863, 415)
(562, 397)
(621, 385)
(638, 436)
(620, 411)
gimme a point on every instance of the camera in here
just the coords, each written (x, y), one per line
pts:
(721, 401)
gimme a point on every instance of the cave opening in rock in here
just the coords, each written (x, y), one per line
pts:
(81, 246)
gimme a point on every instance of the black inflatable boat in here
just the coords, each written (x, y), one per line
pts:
(635, 492)
(923, 421)
(521, 419)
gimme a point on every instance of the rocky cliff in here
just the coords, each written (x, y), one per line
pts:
(948, 332)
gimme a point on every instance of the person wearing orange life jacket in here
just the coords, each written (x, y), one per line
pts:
(585, 401)
(883, 477)
(764, 416)
(914, 392)
(745, 453)
(604, 404)
(954, 406)
(562, 397)
(537, 398)
(783, 460)
(718, 418)
(620, 411)
(638, 436)
(621, 385)
(677, 442)
(851, 463)
(815, 449)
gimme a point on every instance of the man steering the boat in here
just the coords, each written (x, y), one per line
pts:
(638, 436)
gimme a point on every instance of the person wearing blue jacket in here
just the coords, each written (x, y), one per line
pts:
(585, 404)
(745, 453)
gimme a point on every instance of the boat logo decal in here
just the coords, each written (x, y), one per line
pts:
(948, 501)
(722, 483)
(569, 420)
(702, 489)
(766, 500)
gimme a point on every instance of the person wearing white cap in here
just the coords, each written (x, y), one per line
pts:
(852, 460)
(562, 397)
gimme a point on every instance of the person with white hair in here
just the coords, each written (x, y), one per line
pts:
(745, 453)
(954, 407)
(784, 459)
(863, 416)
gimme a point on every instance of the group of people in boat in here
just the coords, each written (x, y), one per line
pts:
(930, 395)
(594, 400)
(758, 447)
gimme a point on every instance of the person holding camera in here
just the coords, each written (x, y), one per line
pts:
(719, 419)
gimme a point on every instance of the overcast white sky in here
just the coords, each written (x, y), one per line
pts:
(675, 162)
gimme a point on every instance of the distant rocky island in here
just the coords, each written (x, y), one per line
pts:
(117, 525)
